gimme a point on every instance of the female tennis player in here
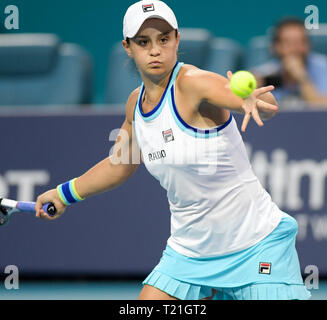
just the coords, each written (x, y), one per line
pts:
(228, 239)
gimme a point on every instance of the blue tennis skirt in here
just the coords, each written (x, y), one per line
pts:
(268, 270)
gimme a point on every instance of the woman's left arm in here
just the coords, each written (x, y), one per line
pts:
(215, 89)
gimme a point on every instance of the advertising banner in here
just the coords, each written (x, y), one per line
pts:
(123, 232)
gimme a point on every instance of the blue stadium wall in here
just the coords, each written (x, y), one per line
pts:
(123, 232)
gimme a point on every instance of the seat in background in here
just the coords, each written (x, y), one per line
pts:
(224, 54)
(38, 69)
(318, 38)
(122, 76)
(194, 46)
(258, 52)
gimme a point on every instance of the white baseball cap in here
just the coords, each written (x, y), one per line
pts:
(140, 11)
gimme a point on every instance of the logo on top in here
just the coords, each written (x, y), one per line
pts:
(168, 135)
(265, 267)
(148, 7)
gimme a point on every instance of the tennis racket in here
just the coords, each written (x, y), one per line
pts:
(8, 207)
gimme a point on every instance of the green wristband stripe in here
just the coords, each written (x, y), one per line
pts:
(74, 191)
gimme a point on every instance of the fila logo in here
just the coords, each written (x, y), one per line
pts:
(168, 135)
(264, 267)
(148, 7)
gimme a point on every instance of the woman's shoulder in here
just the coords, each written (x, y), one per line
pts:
(192, 78)
(189, 70)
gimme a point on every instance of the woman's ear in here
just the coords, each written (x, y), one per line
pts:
(178, 38)
(127, 48)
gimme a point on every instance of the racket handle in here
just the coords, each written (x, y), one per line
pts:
(48, 208)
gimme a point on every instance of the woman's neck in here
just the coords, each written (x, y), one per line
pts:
(154, 89)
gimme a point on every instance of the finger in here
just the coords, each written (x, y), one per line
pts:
(229, 76)
(246, 120)
(258, 92)
(42, 214)
(256, 117)
(38, 207)
(265, 106)
(45, 216)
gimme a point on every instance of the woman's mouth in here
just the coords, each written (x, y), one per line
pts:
(155, 63)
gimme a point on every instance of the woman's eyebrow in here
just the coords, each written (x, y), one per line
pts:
(165, 33)
(142, 37)
(146, 37)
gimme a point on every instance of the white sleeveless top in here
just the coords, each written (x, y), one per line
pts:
(217, 204)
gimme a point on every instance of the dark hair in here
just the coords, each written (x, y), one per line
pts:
(289, 21)
(128, 39)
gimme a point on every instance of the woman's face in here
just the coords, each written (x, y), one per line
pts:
(154, 48)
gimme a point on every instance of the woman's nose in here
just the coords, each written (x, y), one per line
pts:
(155, 50)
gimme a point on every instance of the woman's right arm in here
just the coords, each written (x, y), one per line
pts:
(107, 174)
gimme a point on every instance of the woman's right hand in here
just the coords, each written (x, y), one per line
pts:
(49, 196)
(255, 107)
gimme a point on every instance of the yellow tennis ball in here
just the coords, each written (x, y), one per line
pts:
(243, 83)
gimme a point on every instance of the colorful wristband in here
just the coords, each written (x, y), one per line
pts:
(68, 194)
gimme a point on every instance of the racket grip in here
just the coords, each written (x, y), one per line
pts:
(48, 208)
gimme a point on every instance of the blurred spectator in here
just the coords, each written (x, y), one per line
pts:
(298, 74)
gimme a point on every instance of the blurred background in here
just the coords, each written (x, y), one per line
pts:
(64, 79)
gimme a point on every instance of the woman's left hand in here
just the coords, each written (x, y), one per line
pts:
(256, 108)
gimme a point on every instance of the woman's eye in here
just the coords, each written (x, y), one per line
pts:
(143, 42)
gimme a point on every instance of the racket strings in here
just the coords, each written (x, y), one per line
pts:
(4, 214)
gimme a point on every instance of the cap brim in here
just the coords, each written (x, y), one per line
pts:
(138, 27)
